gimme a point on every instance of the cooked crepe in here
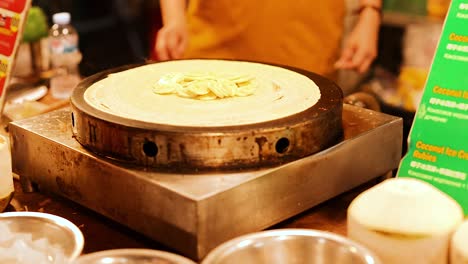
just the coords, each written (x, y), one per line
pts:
(279, 93)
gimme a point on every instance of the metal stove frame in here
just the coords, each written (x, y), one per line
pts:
(193, 213)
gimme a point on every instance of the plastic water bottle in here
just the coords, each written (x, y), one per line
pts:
(65, 56)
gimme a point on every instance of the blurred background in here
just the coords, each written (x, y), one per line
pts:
(117, 32)
(112, 32)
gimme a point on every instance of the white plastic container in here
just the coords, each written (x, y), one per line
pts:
(459, 245)
(6, 175)
(65, 56)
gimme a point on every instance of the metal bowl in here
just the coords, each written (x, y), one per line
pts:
(57, 230)
(291, 246)
(132, 256)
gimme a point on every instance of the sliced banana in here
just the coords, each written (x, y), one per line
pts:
(206, 86)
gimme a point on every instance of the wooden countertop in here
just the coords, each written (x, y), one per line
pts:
(101, 233)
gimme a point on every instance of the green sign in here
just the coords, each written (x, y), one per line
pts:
(438, 141)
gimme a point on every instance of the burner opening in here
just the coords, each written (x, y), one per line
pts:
(73, 119)
(282, 145)
(150, 149)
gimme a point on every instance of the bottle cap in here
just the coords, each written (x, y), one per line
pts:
(61, 18)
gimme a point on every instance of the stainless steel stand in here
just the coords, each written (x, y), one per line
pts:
(193, 213)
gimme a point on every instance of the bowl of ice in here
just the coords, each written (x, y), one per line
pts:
(40, 238)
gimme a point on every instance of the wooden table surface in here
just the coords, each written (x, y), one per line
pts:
(101, 233)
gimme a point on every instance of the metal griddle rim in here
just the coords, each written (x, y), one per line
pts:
(331, 97)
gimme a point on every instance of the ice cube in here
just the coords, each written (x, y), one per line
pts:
(5, 233)
(41, 244)
(19, 248)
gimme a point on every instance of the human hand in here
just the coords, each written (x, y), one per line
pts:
(171, 41)
(360, 48)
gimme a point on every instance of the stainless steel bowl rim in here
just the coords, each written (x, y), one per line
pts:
(233, 243)
(131, 251)
(60, 221)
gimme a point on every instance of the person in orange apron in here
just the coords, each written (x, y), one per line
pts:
(305, 34)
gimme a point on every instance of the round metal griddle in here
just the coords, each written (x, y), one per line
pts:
(192, 149)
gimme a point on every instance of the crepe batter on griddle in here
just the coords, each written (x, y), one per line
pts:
(280, 93)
